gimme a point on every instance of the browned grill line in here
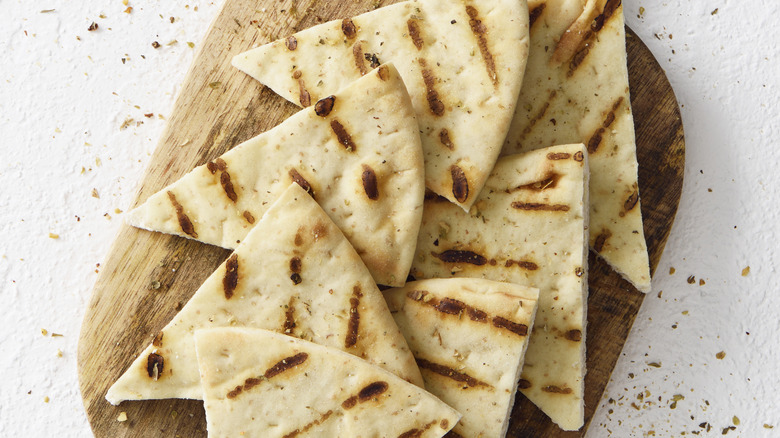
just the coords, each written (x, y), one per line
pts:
(535, 206)
(434, 103)
(184, 222)
(414, 33)
(480, 32)
(460, 256)
(301, 181)
(306, 428)
(278, 368)
(354, 318)
(450, 373)
(357, 53)
(535, 13)
(230, 280)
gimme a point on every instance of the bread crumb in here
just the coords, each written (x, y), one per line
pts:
(746, 271)
(46, 399)
(671, 270)
(44, 332)
(735, 420)
(720, 355)
(95, 194)
(54, 236)
(122, 417)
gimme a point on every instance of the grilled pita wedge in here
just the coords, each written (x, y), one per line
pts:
(258, 383)
(528, 227)
(358, 154)
(462, 62)
(294, 273)
(468, 336)
(576, 90)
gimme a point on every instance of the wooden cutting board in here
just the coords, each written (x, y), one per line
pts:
(147, 277)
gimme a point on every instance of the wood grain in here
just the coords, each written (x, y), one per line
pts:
(147, 277)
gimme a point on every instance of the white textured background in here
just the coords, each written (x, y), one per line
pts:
(68, 168)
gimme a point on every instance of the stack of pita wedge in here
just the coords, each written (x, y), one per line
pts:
(291, 335)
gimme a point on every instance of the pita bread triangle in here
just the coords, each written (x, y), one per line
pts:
(258, 383)
(357, 152)
(576, 90)
(294, 273)
(462, 62)
(468, 337)
(528, 227)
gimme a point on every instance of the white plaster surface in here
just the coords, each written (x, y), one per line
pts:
(65, 93)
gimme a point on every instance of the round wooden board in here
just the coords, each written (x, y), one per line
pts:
(147, 277)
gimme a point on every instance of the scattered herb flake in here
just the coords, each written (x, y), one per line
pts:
(691, 279)
(155, 44)
(95, 194)
(215, 85)
(93, 27)
(128, 121)
(655, 364)
(191, 44)
(174, 42)
(54, 236)
(714, 11)
(45, 11)
(746, 271)
(122, 417)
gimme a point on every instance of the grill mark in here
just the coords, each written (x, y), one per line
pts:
(227, 186)
(295, 264)
(301, 181)
(557, 389)
(370, 183)
(305, 98)
(417, 433)
(357, 53)
(452, 434)
(248, 216)
(579, 156)
(577, 59)
(503, 323)
(631, 201)
(444, 138)
(372, 390)
(601, 239)
(291, 43)
(535, 206)
(354, 318)
(278, 368)
(323, 418)
(348, 28)
(373, 60)
(298, 238)
(558, 156)
(460, 185)
(540, 114)
(434, 103)
(324, 106)
(480, 31)
(535, 14)
(296, 278)
(524, 264)
(184, 222)
(448, 372)
(212, 167)
(574, 335)
(414, 33)
(460, 256)
(523, 384)
(154, 365)
(595, 140)
(609, 9)
(343, 136)
(434, 197)
(230, 280)
(449, 306)
(550, 181)
(289, 317)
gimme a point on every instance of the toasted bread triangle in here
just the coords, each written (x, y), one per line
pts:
(469, 337)
(357, 152)
(294, 273)
(259, 383)
(462, 62)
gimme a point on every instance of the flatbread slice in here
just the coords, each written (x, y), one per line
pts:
(576, 90)
(528, 227)
(258, 383)
(358, 154)
(462, 62)
(469, 337)
(294, 273)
